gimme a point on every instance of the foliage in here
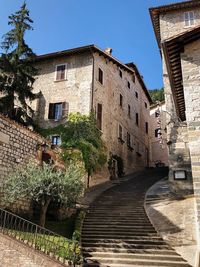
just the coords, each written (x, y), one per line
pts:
(16, 69)
(120, 165)
(44, 184)
(60, 246)
(81, 132)
(157, 94)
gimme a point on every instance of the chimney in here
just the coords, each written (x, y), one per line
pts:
(108, 50)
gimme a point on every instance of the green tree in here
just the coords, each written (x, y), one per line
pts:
(16, 69)
(157, 94)
(81, 132)
(44, 184)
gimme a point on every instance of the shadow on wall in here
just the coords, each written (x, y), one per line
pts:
(179, 157)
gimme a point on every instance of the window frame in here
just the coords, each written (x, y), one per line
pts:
(120, 73)
(189, 19)
(121, 100)
(129, 111)
(64, 111)
(56, 72)
(137, 119)
(57, 143)
(99, 120)
(100, 76)
(146, 127)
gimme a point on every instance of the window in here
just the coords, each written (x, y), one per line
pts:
(121, 100)
(128, 139)
(129, 111)
(157, 132)
(99, 116)
(137, 119)
(56, 140)
(146, 127)
(145, 104)
(120, 132)
(58, 110)
(133, 77)
(136, 94)
(128, 84)
(189, 18)
(157, 114)
(61, 72)
(100, 77)
(120, 73)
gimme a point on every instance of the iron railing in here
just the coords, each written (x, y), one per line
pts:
(57, 247)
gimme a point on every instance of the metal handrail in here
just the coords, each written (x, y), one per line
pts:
(57, 247)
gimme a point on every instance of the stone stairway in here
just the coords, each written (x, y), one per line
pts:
(117, 231)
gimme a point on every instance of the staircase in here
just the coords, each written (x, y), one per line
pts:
(117, 232)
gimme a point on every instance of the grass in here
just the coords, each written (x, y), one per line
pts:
(49, 244)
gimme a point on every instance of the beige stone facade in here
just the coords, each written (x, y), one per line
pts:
(159, 148)
(116, 97)
(180, 47)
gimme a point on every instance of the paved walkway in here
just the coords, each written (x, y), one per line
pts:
(12, 258)
(117, 232)
(173, 216)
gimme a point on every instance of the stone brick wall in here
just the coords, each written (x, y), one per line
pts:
(108, 94)
(172, 23)
(17, 146)
(177, 140)
(82, 91)
(190, 61)
(75, 89)
(159, 150)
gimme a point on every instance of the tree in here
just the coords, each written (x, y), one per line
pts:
(44, 184)
(16, 69)
(157, 94)
(81, 132)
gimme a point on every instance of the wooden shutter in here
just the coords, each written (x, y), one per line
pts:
(51, 114)
(65, 109)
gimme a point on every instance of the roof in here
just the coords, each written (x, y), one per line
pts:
(156, 11)
(172, 48)
(131, 67)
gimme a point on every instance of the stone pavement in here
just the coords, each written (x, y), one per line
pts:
(10, 257)
(173, 217)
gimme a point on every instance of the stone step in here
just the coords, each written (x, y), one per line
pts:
(115, 222)
(140, 262)
(158, 251)
(121, 242)
(125, 228)
(124, 245)
(131, 256)
(122, 237)
(118, 233)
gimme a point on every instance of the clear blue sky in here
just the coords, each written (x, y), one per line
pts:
(124, 25)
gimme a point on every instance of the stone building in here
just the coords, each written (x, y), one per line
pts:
(88, 78)
(158, 134)
(177, 29)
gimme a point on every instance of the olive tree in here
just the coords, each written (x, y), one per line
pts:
(44, 184)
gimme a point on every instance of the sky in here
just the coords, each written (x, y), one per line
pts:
(123, 25)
